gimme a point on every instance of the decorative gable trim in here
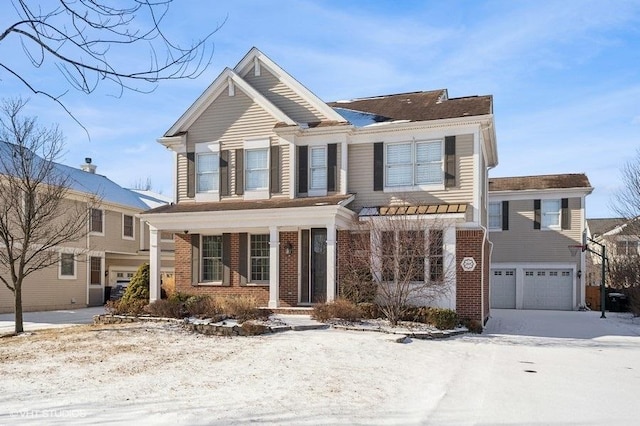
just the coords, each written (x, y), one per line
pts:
(254, 54)
(227, 80)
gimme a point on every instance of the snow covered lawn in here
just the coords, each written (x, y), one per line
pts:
(529, 367)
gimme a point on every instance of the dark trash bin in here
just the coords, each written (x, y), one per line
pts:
(107, 293)
(617, 302)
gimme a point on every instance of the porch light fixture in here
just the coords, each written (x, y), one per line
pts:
(288, 249)
(602, 254)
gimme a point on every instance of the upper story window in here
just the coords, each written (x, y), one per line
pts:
(414, 163)
(495, 215)
(127, 226)
(67, 266)
(551, 214)
(207, 172)
(627, 248)
(257, 169)
(212, 268)
(318, 168)
(96, 224)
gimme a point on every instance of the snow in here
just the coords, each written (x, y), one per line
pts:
(529, 367)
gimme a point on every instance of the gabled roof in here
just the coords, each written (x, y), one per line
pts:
(417, 106)
(597, 227)
(520, 183)
(256, 55)
(228, 76)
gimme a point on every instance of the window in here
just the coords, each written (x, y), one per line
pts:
(211, 258)
(495, 215)
(96, 270)
(403, 256)
(127, 226)
(96, 221)
(627, 247)
(259, 253)
(207, 172)
(551, 213)
(257, 169)
(414, 163)
(166, 236)
(67, 265)
(436, 251)
(318, 168)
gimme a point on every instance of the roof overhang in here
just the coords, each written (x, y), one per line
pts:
(548, 193)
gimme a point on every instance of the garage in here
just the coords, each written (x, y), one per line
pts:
(548, 289)
(503, 289)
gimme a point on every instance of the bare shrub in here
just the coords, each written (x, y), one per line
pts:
(166, 308)
(242, 308)
(134, 307)
(340, 308)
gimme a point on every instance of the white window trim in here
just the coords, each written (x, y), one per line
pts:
(318, 192)
(201, 282)
(133, 224)
(551, 227)
(499, 228)
(104, 224)
(75, 267)
(206, 148)
(249, 257)
(164, 240)
(414, 186)
(253, 145)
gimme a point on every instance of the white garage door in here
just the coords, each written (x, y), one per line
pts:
(548, 289)
(503, 288)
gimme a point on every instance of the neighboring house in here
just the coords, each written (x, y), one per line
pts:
(532, 222)
(270, 179)
(117, 243)
(620, 238)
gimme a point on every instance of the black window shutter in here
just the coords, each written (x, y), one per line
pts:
(242, 264)
(226, 259)
(191, 174)
(274, 177)
(536, 214)
(239, 171)
(449, 161)
(303, 173)
(565, 215)
(505, 215)
(195, 259)
(224, 172)
(332, 166)
(378, 166)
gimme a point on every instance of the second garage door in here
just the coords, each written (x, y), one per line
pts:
(548, 289)
(503, 288)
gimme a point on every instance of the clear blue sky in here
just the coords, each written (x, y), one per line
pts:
(565, 77)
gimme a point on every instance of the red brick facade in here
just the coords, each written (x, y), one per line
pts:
(472, 298)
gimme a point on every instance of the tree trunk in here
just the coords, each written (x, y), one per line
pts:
(19, 328)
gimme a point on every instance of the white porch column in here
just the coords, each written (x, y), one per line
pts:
(154, 265)
(274, 269)
(331, 262)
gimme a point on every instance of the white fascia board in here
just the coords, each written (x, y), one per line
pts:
(256, 219)
(428, 129)
(541, 194)
(213, 91)
(174, 143)
(471, 123)
(287, 79)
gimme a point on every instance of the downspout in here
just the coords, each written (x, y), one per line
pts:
(485, 234)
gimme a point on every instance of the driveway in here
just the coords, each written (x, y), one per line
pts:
(50, 319)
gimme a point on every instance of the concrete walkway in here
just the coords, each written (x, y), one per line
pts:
(50, 319)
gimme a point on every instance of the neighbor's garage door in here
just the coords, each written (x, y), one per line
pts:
(503, 288)
(548, 289)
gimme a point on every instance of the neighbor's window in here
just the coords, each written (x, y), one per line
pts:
(627, 247)
(495, 215)
(551, 213)
(259, 253)
(67, 265)
(318, 168)
(257, 169)
(211, 258)
(96, 270)
(414, 163)
(127, 226)
(96, 221)
(207, 175)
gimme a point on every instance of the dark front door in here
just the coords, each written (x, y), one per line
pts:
(313, 265)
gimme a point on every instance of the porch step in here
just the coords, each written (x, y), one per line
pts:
(296, 310)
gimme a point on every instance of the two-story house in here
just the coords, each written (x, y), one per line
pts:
(115, 245)
(271, 179)
(532, 222)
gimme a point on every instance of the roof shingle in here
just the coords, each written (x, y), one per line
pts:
(520, 183)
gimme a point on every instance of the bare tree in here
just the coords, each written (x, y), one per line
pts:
(142, 185)
(37, 213)
(627, 199)
(84, 39)
(399, 261)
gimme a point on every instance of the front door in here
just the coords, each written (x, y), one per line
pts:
(314, 266)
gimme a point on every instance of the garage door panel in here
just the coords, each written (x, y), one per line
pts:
(503, 289)
(548, 289)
